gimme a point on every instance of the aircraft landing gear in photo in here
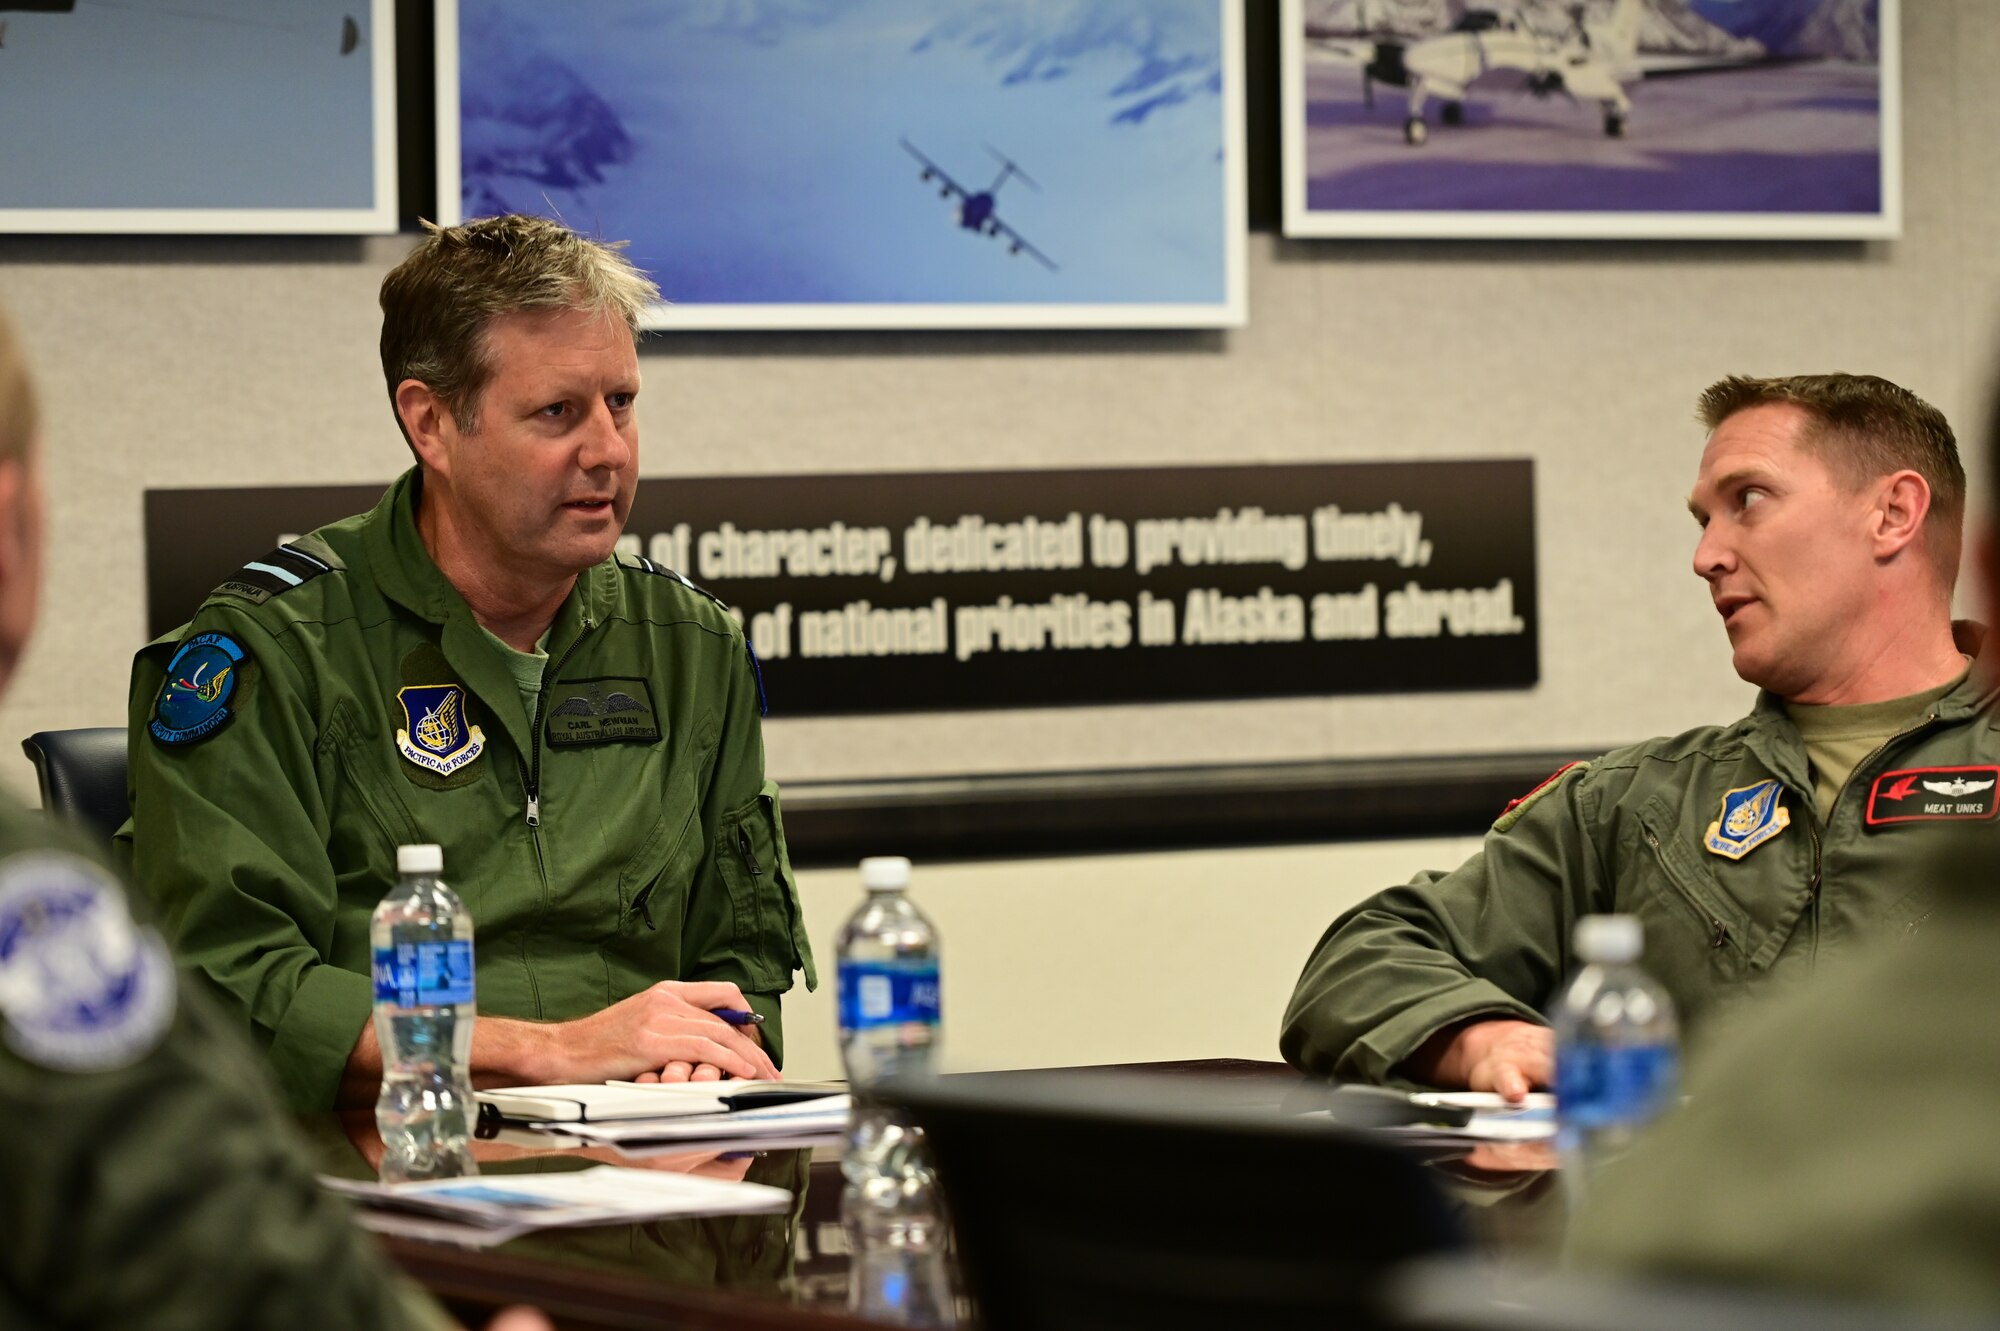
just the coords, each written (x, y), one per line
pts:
(1415, 131)
(1614, 124)
(1454, 113)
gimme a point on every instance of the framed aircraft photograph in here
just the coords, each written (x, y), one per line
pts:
(872, 163)
(198, 116)
(1737, 119)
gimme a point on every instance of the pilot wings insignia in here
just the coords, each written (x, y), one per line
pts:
(1957, 787)
(577, 706)
(623, 702)
(601, 711)
(437, 737)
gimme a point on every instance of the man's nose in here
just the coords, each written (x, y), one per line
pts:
(1712, 554)
(604, 444)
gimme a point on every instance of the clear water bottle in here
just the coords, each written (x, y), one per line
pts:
(889, 1010)
(421, 939)
(888, 986)
(1617, 1044)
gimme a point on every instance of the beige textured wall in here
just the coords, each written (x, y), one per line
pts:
(219, 361)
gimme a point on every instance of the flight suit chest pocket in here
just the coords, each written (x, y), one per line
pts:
(769, 930)
(1691, 921)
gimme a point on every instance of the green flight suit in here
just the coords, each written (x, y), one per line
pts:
(1629, 833)
(147, 1177)
(1840, 1142)
(629, 838)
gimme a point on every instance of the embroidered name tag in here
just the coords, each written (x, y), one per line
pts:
(600, 711)
(1932, 794)
(1751, 815)
(438, 738)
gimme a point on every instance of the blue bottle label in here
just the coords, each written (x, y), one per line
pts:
(424, 974)
(878, 993)
(1597, 1086)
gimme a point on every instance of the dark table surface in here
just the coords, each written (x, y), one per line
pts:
(792, 1270)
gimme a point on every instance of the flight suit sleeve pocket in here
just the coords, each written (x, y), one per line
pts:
(770, 933)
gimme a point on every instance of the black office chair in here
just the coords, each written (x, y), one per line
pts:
(82, 776)
(1120, 1201)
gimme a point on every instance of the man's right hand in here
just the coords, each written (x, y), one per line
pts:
(1508, 1057)
(672, 1022)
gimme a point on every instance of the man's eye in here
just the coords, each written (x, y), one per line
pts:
(620, 401)
(1750, 497)
(554, 410)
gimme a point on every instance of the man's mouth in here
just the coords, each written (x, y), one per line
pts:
(589, 505)
(1730, 606)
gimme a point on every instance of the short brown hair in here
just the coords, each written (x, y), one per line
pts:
(19, 414)
(438, 303)
(1863, 427)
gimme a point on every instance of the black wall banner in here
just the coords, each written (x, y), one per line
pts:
(942, 591)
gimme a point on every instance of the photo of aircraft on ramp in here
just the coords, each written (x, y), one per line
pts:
(1666, 118)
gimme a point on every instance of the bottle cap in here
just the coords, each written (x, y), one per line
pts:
(1612, 939)
(881, 872)
(419, 859)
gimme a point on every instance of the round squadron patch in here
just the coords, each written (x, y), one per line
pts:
(201, 679)
(82, 988)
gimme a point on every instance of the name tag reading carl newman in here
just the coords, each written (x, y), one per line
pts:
(601, 711)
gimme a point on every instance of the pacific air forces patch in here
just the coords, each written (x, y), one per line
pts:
(82, 988)
(1751, 815)
(436, 735)
(201, 679)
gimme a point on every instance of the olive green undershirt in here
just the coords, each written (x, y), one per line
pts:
(526, 668)
(1839, 739)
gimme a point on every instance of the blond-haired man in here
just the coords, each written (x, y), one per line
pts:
(1830, 509)
(471, 663)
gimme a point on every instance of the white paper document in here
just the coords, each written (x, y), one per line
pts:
(492, 1208)
(804, 1118)
(1493, 1118)
(604, 1102)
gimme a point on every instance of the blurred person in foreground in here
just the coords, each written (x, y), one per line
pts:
(147, 1176)
(1754, 853)
(473, 663)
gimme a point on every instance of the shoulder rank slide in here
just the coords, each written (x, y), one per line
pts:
(1517, 809)
(645, 565)
(273, 574)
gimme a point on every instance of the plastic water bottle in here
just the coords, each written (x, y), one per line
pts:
(888, 986)
(1617, 1044)
(421, 938)
(889, 1010)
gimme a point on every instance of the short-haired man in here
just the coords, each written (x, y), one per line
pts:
(472, 664)
(1830, 508)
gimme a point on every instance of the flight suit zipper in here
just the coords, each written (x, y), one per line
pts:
(534, 776)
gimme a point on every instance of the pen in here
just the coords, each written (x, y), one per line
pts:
(737, 1016)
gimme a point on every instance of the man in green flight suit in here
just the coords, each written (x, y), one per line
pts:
(471, 663)
(147, 1175)
(1830, 509)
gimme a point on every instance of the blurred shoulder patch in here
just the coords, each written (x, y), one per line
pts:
(1516, 810)
(83, 988)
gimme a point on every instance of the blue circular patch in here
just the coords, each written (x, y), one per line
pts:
(83, 988)
(201, 679)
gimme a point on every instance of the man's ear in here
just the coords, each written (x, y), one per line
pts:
(428, 421)
(1986, 559)
(13, 517)
(1903, 501)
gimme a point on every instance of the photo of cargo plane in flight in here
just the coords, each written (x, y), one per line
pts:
(1591, 62)
(977, 210)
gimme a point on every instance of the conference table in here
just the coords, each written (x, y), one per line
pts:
(793, 1270)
